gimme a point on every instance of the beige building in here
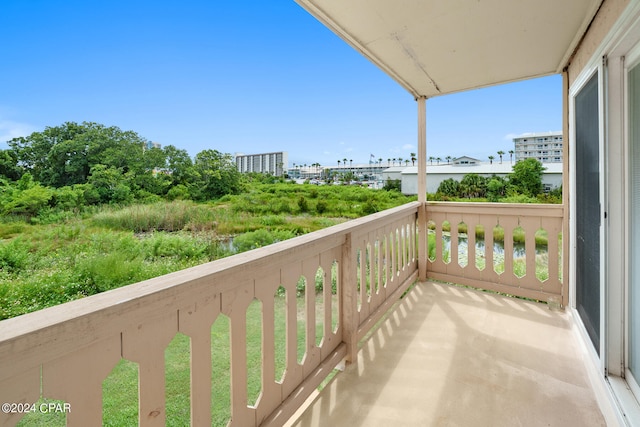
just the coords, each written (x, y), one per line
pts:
(272, 163)
(546, 147)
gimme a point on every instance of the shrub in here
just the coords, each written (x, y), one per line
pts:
(393, 185)
(180, 192)
(260, 238)
(321, 207)
(369, 208)
(14, 255)
(302, 204)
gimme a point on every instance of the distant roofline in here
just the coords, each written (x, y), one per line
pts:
(536, 134)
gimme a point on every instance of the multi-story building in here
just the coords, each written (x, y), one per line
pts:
(546, 147)
(273, 163)
(150, 144)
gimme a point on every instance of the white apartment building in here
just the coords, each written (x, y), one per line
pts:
(274, 163)
(544, 146)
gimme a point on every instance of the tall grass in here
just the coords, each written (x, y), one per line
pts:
(44, 264)
(164, 216)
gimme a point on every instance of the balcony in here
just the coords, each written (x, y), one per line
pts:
(455, 356)
(443, 353)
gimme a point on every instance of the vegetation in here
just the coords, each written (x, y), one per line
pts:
(84, 164)
(523, 185)
(53, 255)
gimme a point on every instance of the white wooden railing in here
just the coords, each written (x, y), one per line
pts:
(66, 352)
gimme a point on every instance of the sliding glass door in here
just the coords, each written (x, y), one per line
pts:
(633, 301)
(587, 178)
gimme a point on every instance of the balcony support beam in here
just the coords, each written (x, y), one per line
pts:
(565, 188)
(422, 187)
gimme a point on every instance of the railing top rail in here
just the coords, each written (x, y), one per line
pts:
(486, 208)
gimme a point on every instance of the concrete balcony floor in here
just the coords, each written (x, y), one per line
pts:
(451, 356)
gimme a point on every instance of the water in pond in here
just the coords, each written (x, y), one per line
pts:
(498, 247)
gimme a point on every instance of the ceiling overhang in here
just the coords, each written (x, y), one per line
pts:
(436, 47)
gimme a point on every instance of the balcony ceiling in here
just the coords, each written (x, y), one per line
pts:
(436, 47)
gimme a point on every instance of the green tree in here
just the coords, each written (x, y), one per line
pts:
(473, 186)
(500, 153)
(9, 165)
(178, 164)
(393, 185)
(215, 175)
(449, 187)
(496, 188)
(26, 198)
(65, 154)
(110, 184)
(526, 177)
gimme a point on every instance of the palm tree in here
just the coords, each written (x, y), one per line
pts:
(344, 161)
(500, 153)
(351, 163)
(491, 160)
(413, 159)
(394, 161)
(380, 161)
(431, 159)
(388, 162)
(406, 162)
(448, 158)
(438, 159)
(399, 161)
(338, 163)
(511, 156)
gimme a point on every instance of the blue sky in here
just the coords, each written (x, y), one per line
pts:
(249, 77)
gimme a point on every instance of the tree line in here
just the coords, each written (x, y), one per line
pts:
(525, 182)
(74, 165)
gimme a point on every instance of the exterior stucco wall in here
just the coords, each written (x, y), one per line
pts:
(604, 20)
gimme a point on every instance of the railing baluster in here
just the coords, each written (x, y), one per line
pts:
(78, 378)
(234, 304)
(196, 322)
(145, 344)
(509, 217)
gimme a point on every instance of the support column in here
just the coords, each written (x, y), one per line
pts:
(422, 188)
(565, 188)
(422, 149)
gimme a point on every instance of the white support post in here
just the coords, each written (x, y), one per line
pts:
(422, 187)
(422, 149)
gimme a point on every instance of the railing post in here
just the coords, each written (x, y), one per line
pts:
(422, 242)
(349, 301)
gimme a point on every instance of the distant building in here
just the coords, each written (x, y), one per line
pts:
(272, 163)
(546, 147)
(150, 144)
(464, 160)
(551, 177)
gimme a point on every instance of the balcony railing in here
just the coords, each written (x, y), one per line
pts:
(66, 352)
(510, 248)
(349, 276)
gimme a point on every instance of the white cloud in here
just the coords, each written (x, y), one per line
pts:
(10, 130)
(408, 147)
